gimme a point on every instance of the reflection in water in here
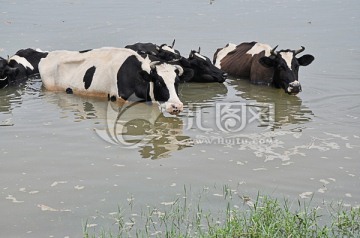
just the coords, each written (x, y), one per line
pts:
(140, 126)
(202, 93)
(156, 134)
(12, 97)
(288, 109)
(167, 137)
(131, 125)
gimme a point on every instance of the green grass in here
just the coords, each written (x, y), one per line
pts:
(241, 217)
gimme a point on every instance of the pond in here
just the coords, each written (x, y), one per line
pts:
(66, 159)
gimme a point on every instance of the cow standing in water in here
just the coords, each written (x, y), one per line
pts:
(19, 67)
(114, 73)
(263, 65)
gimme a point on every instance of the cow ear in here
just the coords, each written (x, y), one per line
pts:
(267, 62)
(305, 60)
(187, 75)
(179, 70)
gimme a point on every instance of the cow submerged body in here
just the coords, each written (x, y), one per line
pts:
(262, 64)
(114, 73)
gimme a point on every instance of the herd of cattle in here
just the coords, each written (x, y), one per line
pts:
(152, 72)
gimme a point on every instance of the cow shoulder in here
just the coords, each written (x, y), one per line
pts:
(221, 53)
(238, 62)
(130, 78)
(260, 74)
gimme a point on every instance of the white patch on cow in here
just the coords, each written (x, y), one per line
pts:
(146, 64)
(3, 79)
(168, 48)
(295, 83)
(41, 51)
(259, 47)
(222, 53)
(66, 69)
(151, 92)
(200, 56)
(22, 60)
(167, 72)
(287, 56)
(289, 89)
(292, 85)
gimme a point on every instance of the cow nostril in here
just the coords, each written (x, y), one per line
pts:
(176, 107)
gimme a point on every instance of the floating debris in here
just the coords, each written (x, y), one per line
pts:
(305, 195)
(57, 182)
(7, 122)
(78, 187)
(50, 209)
(13, 199)
(348, 195)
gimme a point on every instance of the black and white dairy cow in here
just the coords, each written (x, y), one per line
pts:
(197, 67)
(263, 64)
(114, 73)
(20, 66)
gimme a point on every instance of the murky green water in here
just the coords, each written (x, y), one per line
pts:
(63, 159)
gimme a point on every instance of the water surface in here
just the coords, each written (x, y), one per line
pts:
(56, 171)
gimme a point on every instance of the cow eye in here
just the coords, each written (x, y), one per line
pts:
(161, 83)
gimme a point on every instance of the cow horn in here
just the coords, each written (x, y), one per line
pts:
(299, 51)
(153, 64)
(181, 70)
(199, 50)
(173, 43)
(272, 52)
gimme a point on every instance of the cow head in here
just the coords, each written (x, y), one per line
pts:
(164, 81)
(7, 73)
(286, 68)
(204, 70)
(168, 53)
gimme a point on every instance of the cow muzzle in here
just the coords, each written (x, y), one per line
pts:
(224, 77)
(294, 88)
(174, 108)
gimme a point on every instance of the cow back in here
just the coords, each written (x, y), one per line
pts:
(237, 62)
(92, 73)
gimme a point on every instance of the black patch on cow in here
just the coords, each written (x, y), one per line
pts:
(69, 91)
(112, 98)
(88, 77)
(132, 79)
(84, 51)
